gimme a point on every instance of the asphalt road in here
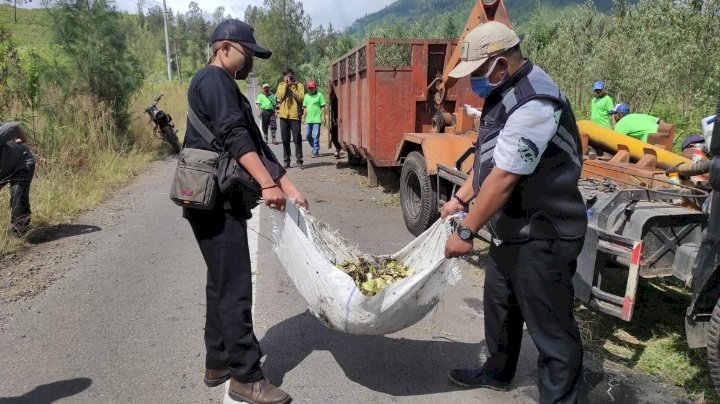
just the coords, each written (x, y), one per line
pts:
(123, 321)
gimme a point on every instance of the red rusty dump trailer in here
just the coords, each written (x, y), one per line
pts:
(376, 108)
(374, 105)
(393, 105)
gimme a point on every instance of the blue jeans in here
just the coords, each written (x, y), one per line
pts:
(312, 133)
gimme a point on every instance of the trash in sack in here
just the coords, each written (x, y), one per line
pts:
(312, 254)
(374, 276)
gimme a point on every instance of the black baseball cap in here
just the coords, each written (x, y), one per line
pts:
(239, 31)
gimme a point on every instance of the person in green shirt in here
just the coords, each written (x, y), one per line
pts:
(600, 105)
(266, 105)
(637, 126)
(313, 115)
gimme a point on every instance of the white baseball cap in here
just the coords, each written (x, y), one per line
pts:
(483, 42)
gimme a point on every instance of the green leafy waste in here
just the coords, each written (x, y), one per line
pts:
(372, 277)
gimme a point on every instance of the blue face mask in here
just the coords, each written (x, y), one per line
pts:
(482, 86)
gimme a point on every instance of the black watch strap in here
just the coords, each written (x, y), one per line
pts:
(465, 233)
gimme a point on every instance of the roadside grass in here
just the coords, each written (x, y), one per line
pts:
(32, 26)
(653, 342)
(81, 159)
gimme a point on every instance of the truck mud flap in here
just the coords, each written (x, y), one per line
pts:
(599, 248)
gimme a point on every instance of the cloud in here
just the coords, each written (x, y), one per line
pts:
(341, 13)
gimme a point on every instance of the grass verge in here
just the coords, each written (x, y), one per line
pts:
(81, 160)
(653, 342)
(58, 195)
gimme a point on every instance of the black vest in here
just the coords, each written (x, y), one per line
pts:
(546, 204)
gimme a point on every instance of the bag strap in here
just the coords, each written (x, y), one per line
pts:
(200, 127)
(210, 137)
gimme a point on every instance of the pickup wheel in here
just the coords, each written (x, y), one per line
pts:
(418, 195)
(713, 347)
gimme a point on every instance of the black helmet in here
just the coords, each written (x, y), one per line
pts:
(239, 31)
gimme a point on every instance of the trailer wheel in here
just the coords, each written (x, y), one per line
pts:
(713, 347)
(418, 196)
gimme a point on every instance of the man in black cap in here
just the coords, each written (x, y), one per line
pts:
(233, 352)
(17, 168)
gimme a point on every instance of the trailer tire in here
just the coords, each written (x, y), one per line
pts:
(418, 194)
(713, 347)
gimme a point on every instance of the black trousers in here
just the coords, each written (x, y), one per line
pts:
(286, 127)
(334, 142)
(229, 337)
(265, 119)
(20, 180)
(532, 283)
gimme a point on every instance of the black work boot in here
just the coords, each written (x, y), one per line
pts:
(477, 377)
(259, 392)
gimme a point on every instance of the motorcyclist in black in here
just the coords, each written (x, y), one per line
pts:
(17, 168)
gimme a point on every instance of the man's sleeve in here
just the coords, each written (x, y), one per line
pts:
(305, 103)
(527, 132)
(8, 131)
(280, 94)
(322, 100)
(225, 112)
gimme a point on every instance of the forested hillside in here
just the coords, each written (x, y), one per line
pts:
(433, 12)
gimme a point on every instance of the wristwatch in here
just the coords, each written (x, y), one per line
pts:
(465, 233)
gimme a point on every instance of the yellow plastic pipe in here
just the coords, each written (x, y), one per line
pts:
(608, 140)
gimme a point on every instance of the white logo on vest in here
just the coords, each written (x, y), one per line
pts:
(527, 150)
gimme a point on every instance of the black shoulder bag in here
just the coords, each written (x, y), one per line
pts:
(232, 178)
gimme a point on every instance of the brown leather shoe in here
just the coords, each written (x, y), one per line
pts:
(259, 392)
(216, 377)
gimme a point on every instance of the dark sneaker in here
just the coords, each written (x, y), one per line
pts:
(299, 164)
(259, 392)
(216, 377)
(287, 165)
(477, 378)
(337, 155)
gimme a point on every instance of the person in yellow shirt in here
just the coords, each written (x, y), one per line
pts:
(290, 96)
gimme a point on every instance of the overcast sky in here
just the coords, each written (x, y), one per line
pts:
(341, 13)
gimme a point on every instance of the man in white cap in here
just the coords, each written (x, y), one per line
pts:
(524, 180)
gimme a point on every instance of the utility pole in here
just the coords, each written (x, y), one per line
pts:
(284, 35)
(254, 85)
(177, 60)
(167, 42)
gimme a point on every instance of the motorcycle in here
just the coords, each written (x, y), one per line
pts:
(163, 124)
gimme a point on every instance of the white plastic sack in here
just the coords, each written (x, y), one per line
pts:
(310, 251)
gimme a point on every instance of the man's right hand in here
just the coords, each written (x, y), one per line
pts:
(451, 207)
(274, 198)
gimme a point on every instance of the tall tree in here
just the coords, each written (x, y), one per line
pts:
(448, 29)
(280, 25)
(196, 35)
(95, 42)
